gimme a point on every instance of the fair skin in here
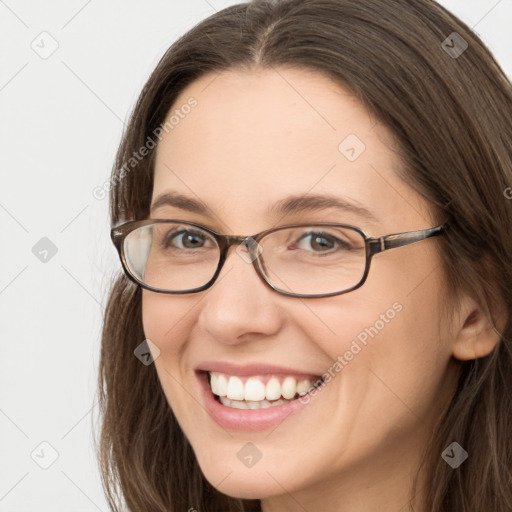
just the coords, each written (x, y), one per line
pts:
(253, 140)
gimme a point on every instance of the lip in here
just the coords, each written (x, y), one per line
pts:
(246, 419)
(248, 370)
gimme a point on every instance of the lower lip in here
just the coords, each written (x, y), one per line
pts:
(246, 419)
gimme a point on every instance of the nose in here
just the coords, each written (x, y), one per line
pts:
(239, 305)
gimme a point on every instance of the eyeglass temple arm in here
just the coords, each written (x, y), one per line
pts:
(384, 243)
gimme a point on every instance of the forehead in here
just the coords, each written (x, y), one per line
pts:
(266, 116)
(255, 136)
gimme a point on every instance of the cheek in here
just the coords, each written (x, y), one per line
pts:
(389, 356)
(166, 318)
(167, 321)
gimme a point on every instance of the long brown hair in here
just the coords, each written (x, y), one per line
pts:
(451, 116)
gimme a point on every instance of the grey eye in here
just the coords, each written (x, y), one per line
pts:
(321, 242)
(186, 239)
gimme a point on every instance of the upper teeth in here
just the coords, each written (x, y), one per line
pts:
(255, 388)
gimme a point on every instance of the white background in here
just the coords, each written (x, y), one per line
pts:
(61, 121)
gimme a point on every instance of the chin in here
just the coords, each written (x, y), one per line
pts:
(247, 484)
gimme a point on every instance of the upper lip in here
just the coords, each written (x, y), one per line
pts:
(244, 370)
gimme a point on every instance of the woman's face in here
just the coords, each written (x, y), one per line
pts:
(254, 140)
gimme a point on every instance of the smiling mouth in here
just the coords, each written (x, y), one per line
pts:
(259, 391)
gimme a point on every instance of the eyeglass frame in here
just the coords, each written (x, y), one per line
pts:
(373, 246)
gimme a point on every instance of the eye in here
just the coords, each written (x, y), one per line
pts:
(186, 239)
(321, 242)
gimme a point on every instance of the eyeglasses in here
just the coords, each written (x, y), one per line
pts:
(298, 260)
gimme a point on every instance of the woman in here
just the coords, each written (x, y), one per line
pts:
(314, 313)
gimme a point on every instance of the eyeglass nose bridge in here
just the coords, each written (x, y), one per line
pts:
(250, 257)
(250, 243)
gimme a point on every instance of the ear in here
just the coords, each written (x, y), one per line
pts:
(475, 335)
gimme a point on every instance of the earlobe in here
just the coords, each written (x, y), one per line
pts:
(477, 336)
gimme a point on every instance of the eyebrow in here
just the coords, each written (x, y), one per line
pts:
(180, 201)
(292, 204)
(315, 202)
